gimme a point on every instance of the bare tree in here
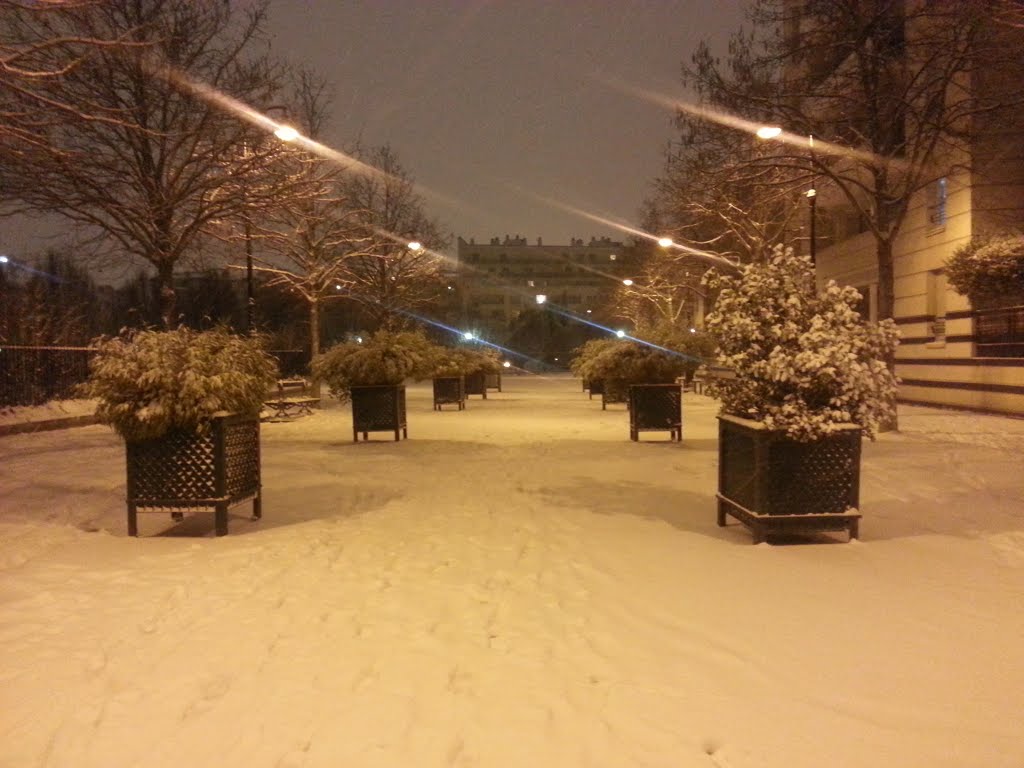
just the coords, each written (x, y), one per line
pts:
(33, 58)
(666, 292)
(131, 149)
(306, 242)
(393, 278)
(876, 97)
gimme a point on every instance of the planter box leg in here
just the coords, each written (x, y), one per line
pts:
(855, 530)
(633, 435)
(133, 521)
(220, 517)
(721, 513)
(257, 505)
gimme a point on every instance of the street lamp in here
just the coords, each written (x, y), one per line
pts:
(768, 132)
(286, 134)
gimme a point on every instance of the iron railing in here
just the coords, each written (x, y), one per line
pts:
(36, 375)
(999, 332)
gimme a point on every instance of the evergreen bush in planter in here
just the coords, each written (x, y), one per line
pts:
(989, 271)
(582, 357)
(372, 374)
(810, 380)
(187, 404)
(448, 371)
(481, 364)
(623, 362)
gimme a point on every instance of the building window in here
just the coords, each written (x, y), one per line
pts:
(937, 306)
(937, 204)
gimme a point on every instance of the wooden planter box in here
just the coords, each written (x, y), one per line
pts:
(654, 408)
(184, 472)
(476, 384)
(379, 408)
(449, 390)
(492, 381)
(595, 387)
(613, 391)
(776, 485)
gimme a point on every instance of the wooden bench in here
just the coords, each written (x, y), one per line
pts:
(292, 399)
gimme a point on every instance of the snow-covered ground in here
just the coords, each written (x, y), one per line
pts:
(516, 585)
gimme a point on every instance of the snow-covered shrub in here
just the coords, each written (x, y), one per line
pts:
(584, 355)
(459, 361)
(631, 362)
(149, 382)
(805, 362)
(694, 347)
(386, 357)
(989, 271)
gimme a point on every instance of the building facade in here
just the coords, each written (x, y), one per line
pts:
(502, 279)
(950, 353)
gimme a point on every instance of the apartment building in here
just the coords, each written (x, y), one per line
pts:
(500, 279)
(950, 353)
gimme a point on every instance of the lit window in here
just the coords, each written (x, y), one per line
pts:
(937, 203)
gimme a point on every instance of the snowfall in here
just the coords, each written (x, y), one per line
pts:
(517, 584)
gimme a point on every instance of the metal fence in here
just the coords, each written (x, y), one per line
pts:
(1000, 332)
(36, 375)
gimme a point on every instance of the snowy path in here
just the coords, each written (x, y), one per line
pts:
(516, 585)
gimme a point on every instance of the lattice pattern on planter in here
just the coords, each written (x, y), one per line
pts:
(476, 384)
(492, 381)
(771, 474)
(449, 390)
(183, 471)
(822, 476)
(774, 485)
(242, 459)
(596, 387)
(379, 409)
(175, 470)
(614, 391)
(655, 407)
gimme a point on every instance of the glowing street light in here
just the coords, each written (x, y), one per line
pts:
(467, 335)
(286, 133)
(769, 132)
(415, 246)
(621, 334)
(665, 242)
(627, 281)
(541, 298)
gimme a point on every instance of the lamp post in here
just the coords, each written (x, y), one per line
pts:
(286, 134)
(768, 132)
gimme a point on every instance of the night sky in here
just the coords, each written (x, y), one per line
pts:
(492, 105)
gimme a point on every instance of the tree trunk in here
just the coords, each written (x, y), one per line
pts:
(168, 299)
(314, 328)
(886, 309)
